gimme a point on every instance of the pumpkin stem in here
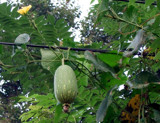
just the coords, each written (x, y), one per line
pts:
(62, 61)
(66, 107)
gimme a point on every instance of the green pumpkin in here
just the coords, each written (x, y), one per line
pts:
(65, 84)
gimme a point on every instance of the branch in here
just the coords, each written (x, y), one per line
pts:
(63, 48)
(141, 2)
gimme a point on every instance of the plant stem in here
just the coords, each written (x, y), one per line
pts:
(117, 17)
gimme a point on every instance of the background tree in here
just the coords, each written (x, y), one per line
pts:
(60, 10)
(91, 32)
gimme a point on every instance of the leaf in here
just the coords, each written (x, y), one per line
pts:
(110, 59)
(22, 39)
(145, 77)
(149, 2)
(50, 60)
(103, 6)
(156, 115)
(1, 49)
(154, 87)
(35, 107)
(83, 80)
(51, 19)
(139, 86)
(92, 1)
(135, 44)
(155, 44)
(101, 113)
(26, 116)
(158, 4)
(131, 2)
(57, 114)
(132, 84)
(157, 57)
(99, 64)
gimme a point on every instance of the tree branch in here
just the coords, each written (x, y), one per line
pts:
(141, 2)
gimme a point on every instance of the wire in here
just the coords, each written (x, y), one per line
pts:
(63, 48)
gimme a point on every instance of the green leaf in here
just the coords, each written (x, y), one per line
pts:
(1, 49)
(50, 60)
(101, 113)
(26, 116)
(156, 115)
(51, 19)
(99, 64)
(149, 2)
(110, 59)
(92, 1)
(158, 4)
(57, 114)
(155, 44)
(103, 6)
(157, 57)
(131, 2)
(154, 87)
(83, 80)
(35, 107)
(145, 77)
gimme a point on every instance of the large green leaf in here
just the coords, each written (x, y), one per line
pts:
(146, 77)
(143, 80)
(99, 64)
(50, 59)
(101, 113)
(110, 59)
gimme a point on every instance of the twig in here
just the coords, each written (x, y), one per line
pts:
(150, 18)
(122, 20)
(141, 2)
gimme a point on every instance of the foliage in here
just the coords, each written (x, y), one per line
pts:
(91, 32)
(29, 71)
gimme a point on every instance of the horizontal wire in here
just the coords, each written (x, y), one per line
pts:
(63, 48)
